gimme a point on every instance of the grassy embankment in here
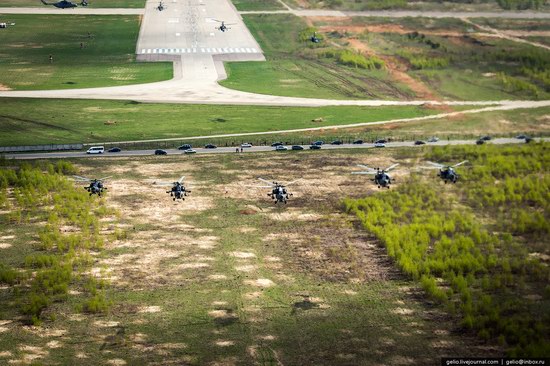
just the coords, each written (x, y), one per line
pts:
(104, 60)
(479, 248)
(248, 5)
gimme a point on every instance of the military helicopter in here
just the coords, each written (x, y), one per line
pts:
(96, 185)
(279, 193)
(5, 25)
(63, 4)
(314, 38)
(160, 7)
(381, 178)
(223, 27)
(178, 190)
(446, 172)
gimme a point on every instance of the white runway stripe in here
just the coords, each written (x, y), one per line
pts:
(248, 50)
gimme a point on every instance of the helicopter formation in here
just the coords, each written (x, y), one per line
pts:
(279, 191)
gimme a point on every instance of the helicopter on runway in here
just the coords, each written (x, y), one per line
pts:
(178, 190)
(160, 6)
(223, 27)
(279, 192)
(381, 177)
(446, 172)
(6, 24)
(95, 185)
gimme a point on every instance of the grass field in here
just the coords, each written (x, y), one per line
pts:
(228, 278)
(443, 61)
(244, 5)
(28, 121)
(92, 4)
(293, 69)
(103, 60)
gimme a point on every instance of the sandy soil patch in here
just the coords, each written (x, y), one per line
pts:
(243, 255)
(403, 311)
(261, 282)
(224, 343)
(217, 277)
(246, 268)
(150, 309)
(116, 362)
(5, 245)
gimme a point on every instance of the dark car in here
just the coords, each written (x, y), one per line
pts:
(297, 147)
(381, 141)
(114, 149)
(419, 142)
(185, 147)
(521, 137)
(486, 138)
(210, 146)
(160, 152)
(315, 147)
(278, 143)
(358, 142)
(336, 142)
(480, 142)
(319, 143)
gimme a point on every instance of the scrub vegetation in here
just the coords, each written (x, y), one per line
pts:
(84, 53)
(91, 4)
(476, 249)
(59, 230)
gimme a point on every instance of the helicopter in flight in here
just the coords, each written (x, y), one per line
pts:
(381, 177)
(160, 6)
(279, 192)
(223, 27)
(65, 4)
(446, 172)
(314, 38)
(178, 190)
(95, 185)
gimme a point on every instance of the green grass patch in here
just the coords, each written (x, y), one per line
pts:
(247, 5)
(102, 60)
(28, 121)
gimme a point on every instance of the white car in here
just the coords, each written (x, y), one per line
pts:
(379, 144)
(433, 139)
(189, 151)
(96, 150)
(281, 148)
(246, 144)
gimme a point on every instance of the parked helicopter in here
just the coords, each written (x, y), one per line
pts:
(178, 190)
(224, 27)
(63, 4)
(96, 185)
(446, 172)
(160, 7)
(381, 177)
(279, 193)
(5, 25)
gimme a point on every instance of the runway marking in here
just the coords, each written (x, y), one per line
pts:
(143, 50)
(213, 50)
(202, 49)
(178, 34)
(155, 50)
(248, 50)
(212, 34)
(173, 20)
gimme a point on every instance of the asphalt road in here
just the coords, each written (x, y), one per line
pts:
(231, 150)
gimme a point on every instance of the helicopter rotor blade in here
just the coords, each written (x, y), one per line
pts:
(363, 173)
(181, 179)
(102, 179)
(266, 181)
(437, 165)
(163, 184)
(429, 167)
(78, 177)
(294, 181)
(462, 162)
(248, 185)
(391, 167)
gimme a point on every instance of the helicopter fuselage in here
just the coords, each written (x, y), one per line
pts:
(178, 192)
(382, 179)
(448, 174)
(279, 194)
(95, 187)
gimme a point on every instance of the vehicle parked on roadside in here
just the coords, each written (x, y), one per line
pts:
(246, 144)
(336, 142)
(281, 148)
(419, 142)
(358, 142)
(189, 151)
(315, 147)
(297, 147)
(160, 152)
(278, 143)
(210, 146)
(379, 144)
(114, 150)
